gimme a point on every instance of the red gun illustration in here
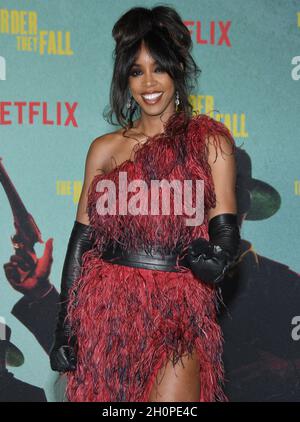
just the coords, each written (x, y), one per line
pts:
(27, 231)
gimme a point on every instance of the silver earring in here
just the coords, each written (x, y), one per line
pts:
(177, 100)
(129, 102)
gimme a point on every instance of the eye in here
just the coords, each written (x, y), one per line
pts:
(134, 72)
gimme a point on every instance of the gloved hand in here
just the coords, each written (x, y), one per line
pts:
(211, 260)
(63, 351)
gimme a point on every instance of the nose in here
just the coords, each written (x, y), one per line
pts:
(149, 78)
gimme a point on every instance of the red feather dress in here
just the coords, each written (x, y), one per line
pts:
(129, 320)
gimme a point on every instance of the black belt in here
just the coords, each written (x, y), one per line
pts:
(151, 260)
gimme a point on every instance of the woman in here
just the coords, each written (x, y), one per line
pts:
(139, 290)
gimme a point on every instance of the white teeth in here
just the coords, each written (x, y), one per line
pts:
(152, 96)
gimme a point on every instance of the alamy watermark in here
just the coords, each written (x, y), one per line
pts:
(2, 69)
(2, 328)
(296, 330)
(138, 203)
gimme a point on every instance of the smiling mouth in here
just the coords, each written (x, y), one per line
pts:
(152, 98)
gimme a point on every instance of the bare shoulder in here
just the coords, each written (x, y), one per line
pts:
(103, 148)
(104, 143)
(97, 162)
(111, 149)
(109, 142)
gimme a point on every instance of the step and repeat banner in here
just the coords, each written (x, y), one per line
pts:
(55, 73)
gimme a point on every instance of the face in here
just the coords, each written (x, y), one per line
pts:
(146, 77)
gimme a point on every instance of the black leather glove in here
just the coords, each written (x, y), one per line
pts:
(63, 351)
(211, 260)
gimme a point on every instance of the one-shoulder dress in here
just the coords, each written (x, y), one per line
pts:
(128, 321)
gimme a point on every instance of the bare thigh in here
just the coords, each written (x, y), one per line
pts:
(178, 383)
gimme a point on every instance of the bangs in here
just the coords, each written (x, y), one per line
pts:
(158, 48)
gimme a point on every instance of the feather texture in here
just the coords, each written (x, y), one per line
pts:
(128, 320)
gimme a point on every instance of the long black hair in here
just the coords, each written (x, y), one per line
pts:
(168, 41)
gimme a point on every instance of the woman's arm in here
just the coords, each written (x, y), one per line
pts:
(96, 162)
(63, 351)
(210, 260)
(223, 168)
